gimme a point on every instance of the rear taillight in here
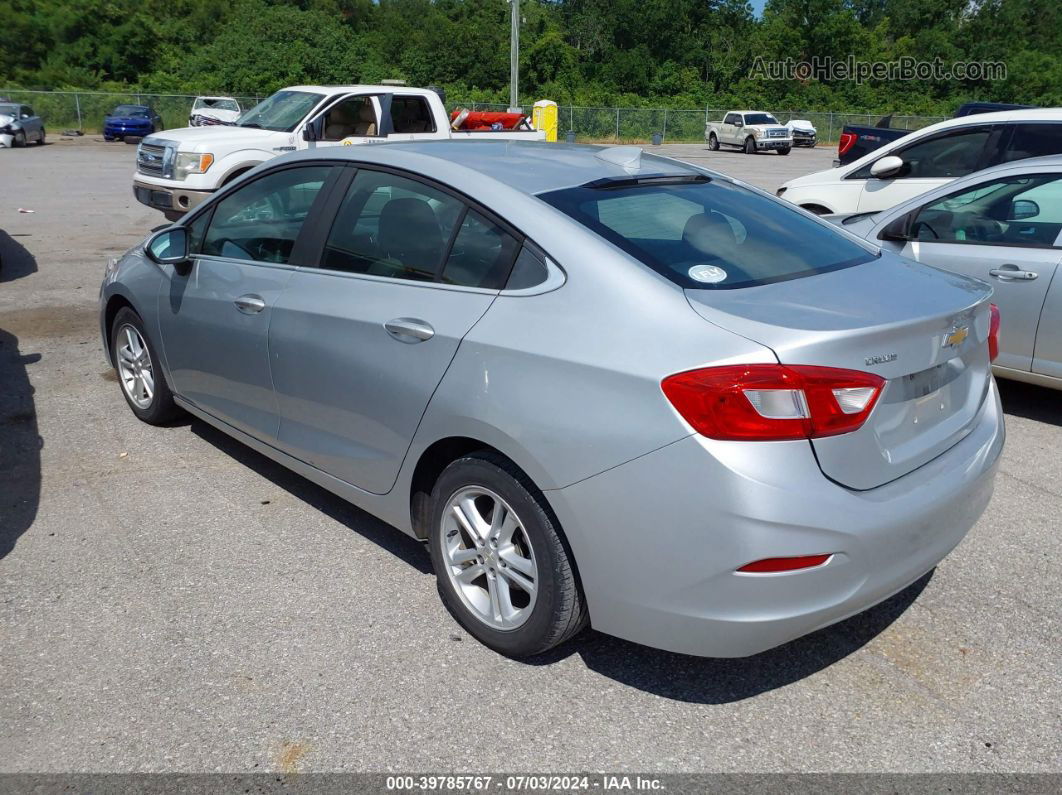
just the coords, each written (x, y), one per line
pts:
(772, 402)
(993, 332)
(845, 143)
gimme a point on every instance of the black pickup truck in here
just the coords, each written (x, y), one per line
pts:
(857, 141)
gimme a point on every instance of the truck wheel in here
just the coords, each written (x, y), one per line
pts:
(40, 141)
(750, 146)
(713, 143)
(784, 150)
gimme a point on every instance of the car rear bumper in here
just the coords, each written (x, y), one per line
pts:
(173, 201)
(658, 540)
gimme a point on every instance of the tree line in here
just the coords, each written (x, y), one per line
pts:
(663, 53)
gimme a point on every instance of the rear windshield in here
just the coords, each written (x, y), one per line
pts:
(711, 234)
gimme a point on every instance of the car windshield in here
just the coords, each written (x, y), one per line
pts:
(709, 234)
(130, 110)
(280, 112)
(9, 110)
(217, 104)
(760, 118)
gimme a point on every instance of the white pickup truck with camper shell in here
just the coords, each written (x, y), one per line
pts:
(178, 169)
(751, 131)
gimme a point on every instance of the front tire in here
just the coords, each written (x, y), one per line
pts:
(502, 568)
(784, 150)
(713, 143)
(19, 141)
(40, 141)
(750, 146)
(140, 376)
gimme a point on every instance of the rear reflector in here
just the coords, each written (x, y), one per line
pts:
(993, 332)
(769, 565)
(773, 402)
(846, 142)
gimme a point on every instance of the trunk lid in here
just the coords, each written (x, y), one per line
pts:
(899, 319)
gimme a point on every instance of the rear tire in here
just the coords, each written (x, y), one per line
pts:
(140, 375)
(750, 146)
(506, 577)
(713, 143)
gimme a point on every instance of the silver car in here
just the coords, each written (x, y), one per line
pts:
(604, 387)
(19, 125)
(1002, 225)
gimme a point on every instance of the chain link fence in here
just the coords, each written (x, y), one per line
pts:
(84, 110)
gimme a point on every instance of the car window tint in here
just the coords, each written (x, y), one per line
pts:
(1010, 211)
(710, 235)
(196, 233)
(954, 155)
(529, 270)
(1034, 140)
(391, 226)
(481, 256)
(261, 220)
(411, 115)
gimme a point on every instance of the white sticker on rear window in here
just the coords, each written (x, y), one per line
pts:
(709, 274)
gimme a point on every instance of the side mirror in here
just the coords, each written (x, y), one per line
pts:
(1022, 209)
(314, 130)
(169, 247)
(886, 167)
(897, 229)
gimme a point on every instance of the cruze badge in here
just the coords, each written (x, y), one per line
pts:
(885, 357)
(956, 337)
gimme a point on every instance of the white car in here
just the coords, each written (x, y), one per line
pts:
(802, 131)
(213, 110)
(927, 159)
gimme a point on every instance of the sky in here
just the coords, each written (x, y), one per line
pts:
(757, 7)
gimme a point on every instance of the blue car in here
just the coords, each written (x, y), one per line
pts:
(138, 120)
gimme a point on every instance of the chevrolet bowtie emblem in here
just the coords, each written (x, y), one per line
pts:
(956, 337)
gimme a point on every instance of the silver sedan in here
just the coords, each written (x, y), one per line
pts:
(1002, 225)
(605, 388)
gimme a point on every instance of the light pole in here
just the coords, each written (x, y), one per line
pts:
(514, 59)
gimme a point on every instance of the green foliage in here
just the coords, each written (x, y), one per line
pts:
(663, 53)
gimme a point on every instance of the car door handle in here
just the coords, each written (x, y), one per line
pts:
(409, 329)
(250, 304)
(1011, 272)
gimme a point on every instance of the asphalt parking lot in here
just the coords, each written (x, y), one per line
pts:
(172, 601)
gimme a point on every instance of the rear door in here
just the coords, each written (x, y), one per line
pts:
(360, 342)
(1004, 232)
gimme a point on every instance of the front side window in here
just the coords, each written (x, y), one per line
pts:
(280, 112)
(392, 226)
(261, 221)
(1033, 140)
(941, 156)
(1024, 211)
(27, 111)
(709, 234)
(351, 116)
(730, 118)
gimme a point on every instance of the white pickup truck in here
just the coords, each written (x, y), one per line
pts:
(178, 169)
(751, 130)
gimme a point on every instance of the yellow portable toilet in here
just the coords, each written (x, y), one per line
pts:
(544, 117)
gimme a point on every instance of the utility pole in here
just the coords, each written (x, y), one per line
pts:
(514, 59)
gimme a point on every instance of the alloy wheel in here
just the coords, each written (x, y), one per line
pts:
(135, 369)
(489, 558)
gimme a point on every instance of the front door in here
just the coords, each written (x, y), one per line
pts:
(1004, 232)
(360, 343)
(214, 312)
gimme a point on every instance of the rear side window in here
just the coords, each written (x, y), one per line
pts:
(411, 115)
(261, 220)
(709, 235)
(1033, 140)
(392, 226)
(482, 254)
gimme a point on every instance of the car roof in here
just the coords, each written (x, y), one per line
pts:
(363, 89)
(530, 167)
